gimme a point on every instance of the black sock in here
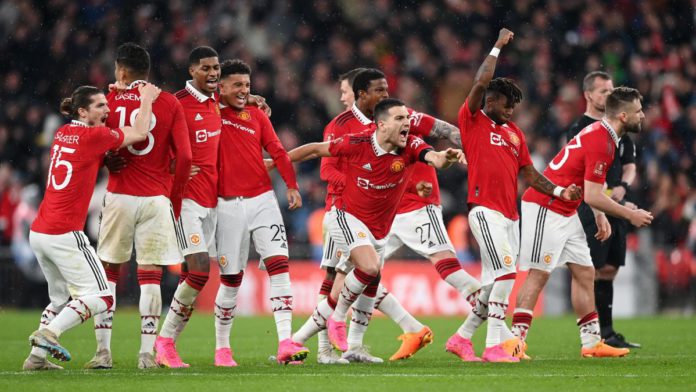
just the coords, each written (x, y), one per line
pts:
(604, 298)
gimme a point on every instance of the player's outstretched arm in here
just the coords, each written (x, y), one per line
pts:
(486, 71)
(596, 198)
(444, 130)
(310, 151)
(542, 184)
(138, 131)
(444, 159)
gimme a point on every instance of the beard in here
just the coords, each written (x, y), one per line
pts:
(633, 128)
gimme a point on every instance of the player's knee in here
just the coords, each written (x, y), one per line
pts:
(276, 265)
(198, 262)
(330, 273)
(371, 268)
(232, 280)
(606, 272)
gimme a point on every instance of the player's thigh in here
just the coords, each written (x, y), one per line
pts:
(117, 227)
(57, 287)
(423, 231)
(349, 232)
(197, 227)
(495, 236)
(333, 249)
(156, 239)
(543, 237)
(267, 227)
(232, 236)
(576, 251)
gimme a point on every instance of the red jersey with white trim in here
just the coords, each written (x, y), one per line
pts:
(242, 170)
(495, 154)
(147, 171)
(421, 126)
(204, 127)
(587, 156)
(375, 179)
(76, 156)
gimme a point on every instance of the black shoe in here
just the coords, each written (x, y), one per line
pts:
(617, 340)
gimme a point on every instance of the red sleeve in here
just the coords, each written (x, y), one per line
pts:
(105, 139)
(421, 123)
(183, 156)
(328, 170)
(271, 143)
(598, 158)
(525, 159)
(465, 117)
(415, 147)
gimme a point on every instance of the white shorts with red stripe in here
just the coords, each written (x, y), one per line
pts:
(422, 230)
(70, 265)
(196, 229)
(499, 240)
(146, 221)
(347, 233)
(241, 220)
(550, 239)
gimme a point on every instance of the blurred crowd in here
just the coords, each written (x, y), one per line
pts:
(429, 50)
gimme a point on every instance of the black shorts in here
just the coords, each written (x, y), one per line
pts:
(611, 251)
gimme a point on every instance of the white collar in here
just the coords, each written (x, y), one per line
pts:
(136, 83)
(379, 151)
(611, 131)
(200, 97)
(494, 123)
(78, 123)
(359, 115)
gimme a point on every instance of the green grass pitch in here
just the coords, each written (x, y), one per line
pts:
(667, 361)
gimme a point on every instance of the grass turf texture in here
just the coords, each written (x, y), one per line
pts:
(667, 361)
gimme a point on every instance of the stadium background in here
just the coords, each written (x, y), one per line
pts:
(430, 51)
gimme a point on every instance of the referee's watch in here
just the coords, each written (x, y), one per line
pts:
(625, 185)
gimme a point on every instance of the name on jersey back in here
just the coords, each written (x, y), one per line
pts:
(67, 139)
(127, 97)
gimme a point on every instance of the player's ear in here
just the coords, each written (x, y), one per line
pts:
(192, 70)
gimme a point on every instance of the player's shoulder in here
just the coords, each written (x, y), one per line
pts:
(413, 141)
(364, 136)
(183, 95)
(344, 118)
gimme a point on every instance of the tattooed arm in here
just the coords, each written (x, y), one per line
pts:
(542, 184)
(486, 71)
(444, 130)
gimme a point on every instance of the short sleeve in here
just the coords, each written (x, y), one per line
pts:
(598, 159)
(105, 139)
(421, 123)
(525, 158)
(627, 151)
(415, 146)
(465, 117)
(342, 147)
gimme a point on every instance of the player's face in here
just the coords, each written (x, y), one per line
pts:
(378, 90)
(499, 109)
(96, 113)
(397, 125)
(598, 96)
(633, 117)
(234, 90)
(206, 74)
(347, 96)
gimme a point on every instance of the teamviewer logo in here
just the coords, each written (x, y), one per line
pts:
(201, 136)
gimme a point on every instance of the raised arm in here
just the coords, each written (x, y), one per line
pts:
(486, 71)
(542, 184)
(310, 151)
(139, 130)
(444, 130)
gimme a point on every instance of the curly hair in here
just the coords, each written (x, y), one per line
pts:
(506, 87)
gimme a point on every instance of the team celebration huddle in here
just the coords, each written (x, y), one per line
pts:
(188, 184)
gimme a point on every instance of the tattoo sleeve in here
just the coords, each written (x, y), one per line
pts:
(538, 181)
(444, 130)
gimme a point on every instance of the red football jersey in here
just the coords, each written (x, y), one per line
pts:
(242, 171)
(76, 156)
(587, 156)
(147, 170)
(495, 154)
(204, 124)
(375, 179)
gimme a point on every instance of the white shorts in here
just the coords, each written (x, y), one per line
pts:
(147, 221)
(243, 219)
(196, 229)
(70, 265)
(499, 240)
(421, 230)
(550, 239)
(332, 250)
(348, 232)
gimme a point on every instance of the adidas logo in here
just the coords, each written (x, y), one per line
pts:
(367, 166)
(284, 246)
(431, 244)
(198, 117)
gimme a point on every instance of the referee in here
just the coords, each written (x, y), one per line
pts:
(609, 255)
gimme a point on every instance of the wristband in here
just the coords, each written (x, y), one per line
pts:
(494, 52)
(625, 185)
(557, 191)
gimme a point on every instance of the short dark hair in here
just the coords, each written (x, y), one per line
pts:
(81, 98)
(350, 76)
(505, 87)
(364, 78)
(382, 108)
(620, 97)
(588, 81)
(201, 52)
(234, 67)
(133, 57)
